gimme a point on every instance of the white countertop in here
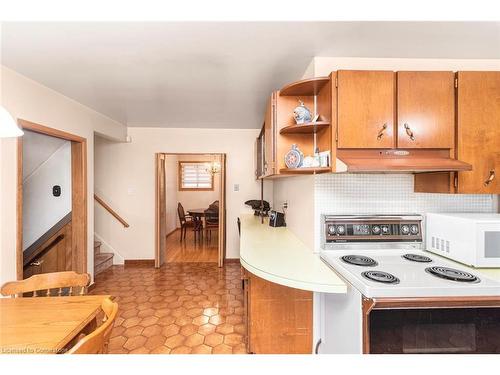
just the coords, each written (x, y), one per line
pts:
(277, 255)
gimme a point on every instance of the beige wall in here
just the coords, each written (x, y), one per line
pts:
(27, 99)
(125, 171)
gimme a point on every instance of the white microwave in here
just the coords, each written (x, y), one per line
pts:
(471, 239)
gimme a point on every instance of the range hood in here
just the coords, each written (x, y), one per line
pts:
(398, 161)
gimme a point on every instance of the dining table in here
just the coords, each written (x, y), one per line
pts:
(46, 325)
(198, 215)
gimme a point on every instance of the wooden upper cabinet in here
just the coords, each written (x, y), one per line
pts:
(478, 131)
(426, 109)
(366, 110)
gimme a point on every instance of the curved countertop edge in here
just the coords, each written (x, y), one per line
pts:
(291, 283)
(310, 274)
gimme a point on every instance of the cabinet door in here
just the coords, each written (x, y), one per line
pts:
(366, 109)
(280, 318)
(269, 137)
(479, 131)
(426, 110)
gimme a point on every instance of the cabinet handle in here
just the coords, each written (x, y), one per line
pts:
(409, 132)
(37, 263)
(316, 348)
(381, 132)
(490, 178)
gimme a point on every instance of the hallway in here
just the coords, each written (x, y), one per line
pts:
(188, 250)
(179, 309)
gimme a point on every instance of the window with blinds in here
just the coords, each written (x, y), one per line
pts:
(193, 175)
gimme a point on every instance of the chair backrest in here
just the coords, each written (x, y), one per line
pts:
(214, 205)
(180, 211)
(47, 284)
(97, 341)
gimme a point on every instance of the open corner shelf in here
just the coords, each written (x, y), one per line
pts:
(305, 170)
(306, 87)
(307, 128)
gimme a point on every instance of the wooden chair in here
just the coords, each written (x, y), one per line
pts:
(97, 341)
(63, 283)
(211, 222)
(186, 221)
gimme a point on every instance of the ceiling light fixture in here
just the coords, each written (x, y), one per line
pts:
(8, 126)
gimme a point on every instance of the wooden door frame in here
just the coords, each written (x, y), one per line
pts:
(221, 252)
(78, 195)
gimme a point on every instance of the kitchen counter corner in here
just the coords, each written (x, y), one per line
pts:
(278, 256)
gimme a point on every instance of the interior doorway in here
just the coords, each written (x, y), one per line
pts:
(190, 208)
(51, 201)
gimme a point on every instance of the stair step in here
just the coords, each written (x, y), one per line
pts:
(102, 262)
(97, 247)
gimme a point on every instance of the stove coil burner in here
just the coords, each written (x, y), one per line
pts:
(452, 274)
(417, 258)
(381, 277)
(359, 260)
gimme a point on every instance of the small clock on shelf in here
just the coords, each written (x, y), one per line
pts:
(294, 157)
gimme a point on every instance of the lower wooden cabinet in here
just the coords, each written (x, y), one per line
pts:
(278, 318)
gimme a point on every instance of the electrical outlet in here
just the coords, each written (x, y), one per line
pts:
(285, 205)
(236, 187)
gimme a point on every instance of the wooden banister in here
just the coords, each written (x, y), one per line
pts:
(111, 211)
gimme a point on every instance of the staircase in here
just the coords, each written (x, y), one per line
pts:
(102, 261)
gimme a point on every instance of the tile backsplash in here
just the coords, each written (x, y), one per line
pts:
(386, 194)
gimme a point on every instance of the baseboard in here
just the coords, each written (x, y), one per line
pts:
(140, 262)
(232, 260)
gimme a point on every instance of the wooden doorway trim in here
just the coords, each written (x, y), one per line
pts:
(222, 211)
(160, 210)
(221, 254)
(78, 196)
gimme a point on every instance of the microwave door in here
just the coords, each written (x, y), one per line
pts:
(488, 241)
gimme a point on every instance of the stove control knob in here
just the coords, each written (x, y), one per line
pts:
(385, 229)
(376, 229)
(414, 229)
(340, 230)
(331, 229)
(405, 229)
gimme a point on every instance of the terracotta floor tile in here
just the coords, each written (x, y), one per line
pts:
(179, 308)
(201, 349)
(225, 329)
(155, 341)
(171, 330)
(133, 331)
(175, 341)
(135, 342)
(152, 330)
(181, 350)
(194, 340)
(222, 349)
(214, 339)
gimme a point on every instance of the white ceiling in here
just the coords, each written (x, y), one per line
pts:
(212, 74)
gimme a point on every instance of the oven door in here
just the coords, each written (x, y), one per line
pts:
(440, 330)
(488, 245)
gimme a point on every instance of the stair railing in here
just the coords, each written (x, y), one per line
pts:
(111, 211)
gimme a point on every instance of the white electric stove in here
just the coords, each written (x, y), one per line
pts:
(382, 256)
(401, 298)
